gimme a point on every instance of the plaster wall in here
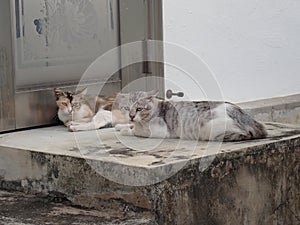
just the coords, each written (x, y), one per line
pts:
(252, 47)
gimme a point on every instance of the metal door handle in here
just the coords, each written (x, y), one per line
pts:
(170, 93)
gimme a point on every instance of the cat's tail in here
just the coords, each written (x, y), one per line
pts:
(251, 128)
(258, 130)
(253, 131)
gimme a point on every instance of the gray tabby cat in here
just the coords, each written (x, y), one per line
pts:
(197, 120)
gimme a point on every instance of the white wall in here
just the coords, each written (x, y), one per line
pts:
(252, 46)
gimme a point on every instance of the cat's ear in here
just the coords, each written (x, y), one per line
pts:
(82, 92)
(58, 92)
(150, 98)
(153, 93)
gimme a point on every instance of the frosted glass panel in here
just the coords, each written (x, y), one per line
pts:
(55, 40)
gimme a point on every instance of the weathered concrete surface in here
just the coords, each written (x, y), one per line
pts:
(25, 209)
(255, 182)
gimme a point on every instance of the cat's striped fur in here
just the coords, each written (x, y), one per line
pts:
(201, 120)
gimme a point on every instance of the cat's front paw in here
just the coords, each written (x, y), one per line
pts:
(120, 127)
(72, 128)
(68, 123)
(126, 132)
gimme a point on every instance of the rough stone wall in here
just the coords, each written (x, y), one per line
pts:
(256, 188)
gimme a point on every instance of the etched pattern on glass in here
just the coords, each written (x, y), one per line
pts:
(58, 31)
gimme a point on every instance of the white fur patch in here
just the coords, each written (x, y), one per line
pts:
(127, 132)
(119, 127)
(101, 119)
(158, 128)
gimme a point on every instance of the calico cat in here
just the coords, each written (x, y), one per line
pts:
(76, 112)
(197, 120)
(72, 107)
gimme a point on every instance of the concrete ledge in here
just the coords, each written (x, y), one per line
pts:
(281, 109)
(254, 182)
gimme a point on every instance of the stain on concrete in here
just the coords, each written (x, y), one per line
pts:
(123, 151)
(39, 158)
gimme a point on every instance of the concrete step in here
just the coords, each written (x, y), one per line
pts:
(159, 181)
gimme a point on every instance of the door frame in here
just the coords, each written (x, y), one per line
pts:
(141, 21)
(7, 95)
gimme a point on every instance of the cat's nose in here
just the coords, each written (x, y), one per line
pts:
(131, 117)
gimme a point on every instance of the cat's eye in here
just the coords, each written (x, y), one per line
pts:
(75, 104)
(64, 104)
(125, 108)
(139, 109)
